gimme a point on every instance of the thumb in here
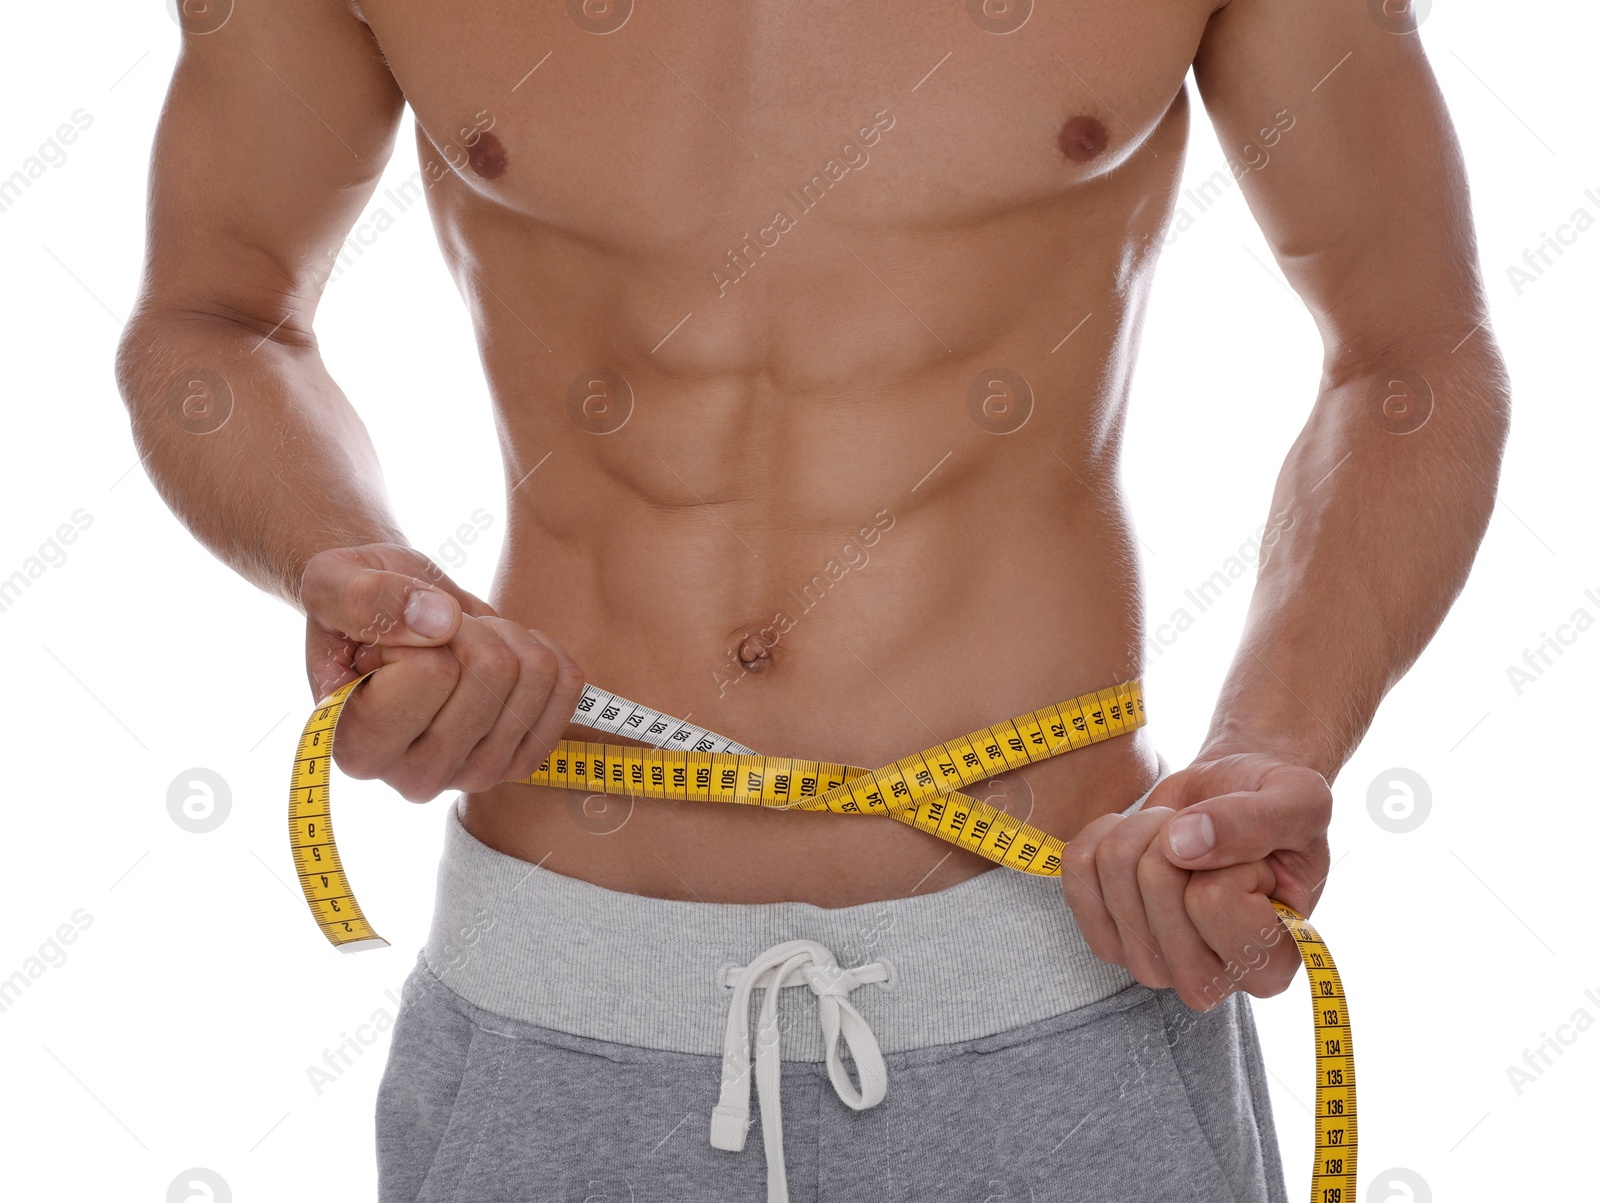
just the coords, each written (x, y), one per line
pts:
(1288, 811)
(375, 605)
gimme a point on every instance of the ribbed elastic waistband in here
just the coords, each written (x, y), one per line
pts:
(993, 953)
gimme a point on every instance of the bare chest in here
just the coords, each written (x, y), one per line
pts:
(641, 123)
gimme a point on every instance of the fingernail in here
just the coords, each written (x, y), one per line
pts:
(428, 613)
(1190, 836)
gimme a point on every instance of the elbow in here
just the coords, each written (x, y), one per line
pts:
(1445, 386)
(1479, 387)
(146, 369)
(135, 368)
(1429, 416)
(130, 363)
(173, 363)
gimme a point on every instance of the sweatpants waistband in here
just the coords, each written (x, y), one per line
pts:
(997, 951)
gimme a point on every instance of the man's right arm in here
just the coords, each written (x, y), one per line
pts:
(276, 128)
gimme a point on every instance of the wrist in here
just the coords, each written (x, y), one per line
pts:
(1228, 737)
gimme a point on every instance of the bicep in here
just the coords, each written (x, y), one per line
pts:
(275, 131)
(1345, 153)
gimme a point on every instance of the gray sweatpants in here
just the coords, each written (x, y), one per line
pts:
(562, 1042)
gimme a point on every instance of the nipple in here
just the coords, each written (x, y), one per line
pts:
(487, 157)
(1082, 138)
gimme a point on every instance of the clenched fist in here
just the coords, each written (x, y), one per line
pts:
(1180, 892)
(461, 698)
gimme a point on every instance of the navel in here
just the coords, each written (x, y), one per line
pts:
(488, 157)
(754, 655)
(752, 647)
(1082, 138)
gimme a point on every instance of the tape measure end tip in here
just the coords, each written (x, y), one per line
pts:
(363, 945)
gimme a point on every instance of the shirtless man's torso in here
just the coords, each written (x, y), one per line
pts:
(800, 525)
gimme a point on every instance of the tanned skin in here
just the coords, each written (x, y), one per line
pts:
(1003, 205)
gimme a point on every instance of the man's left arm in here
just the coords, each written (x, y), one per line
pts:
(1351, 167)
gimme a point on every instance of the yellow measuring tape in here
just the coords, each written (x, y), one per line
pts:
(921, 790)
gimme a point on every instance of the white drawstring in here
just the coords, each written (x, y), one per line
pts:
(796, 963)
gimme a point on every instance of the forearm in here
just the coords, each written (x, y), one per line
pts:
(1376, 530)
(267, 470)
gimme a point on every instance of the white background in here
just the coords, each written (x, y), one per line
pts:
(178, 1031)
